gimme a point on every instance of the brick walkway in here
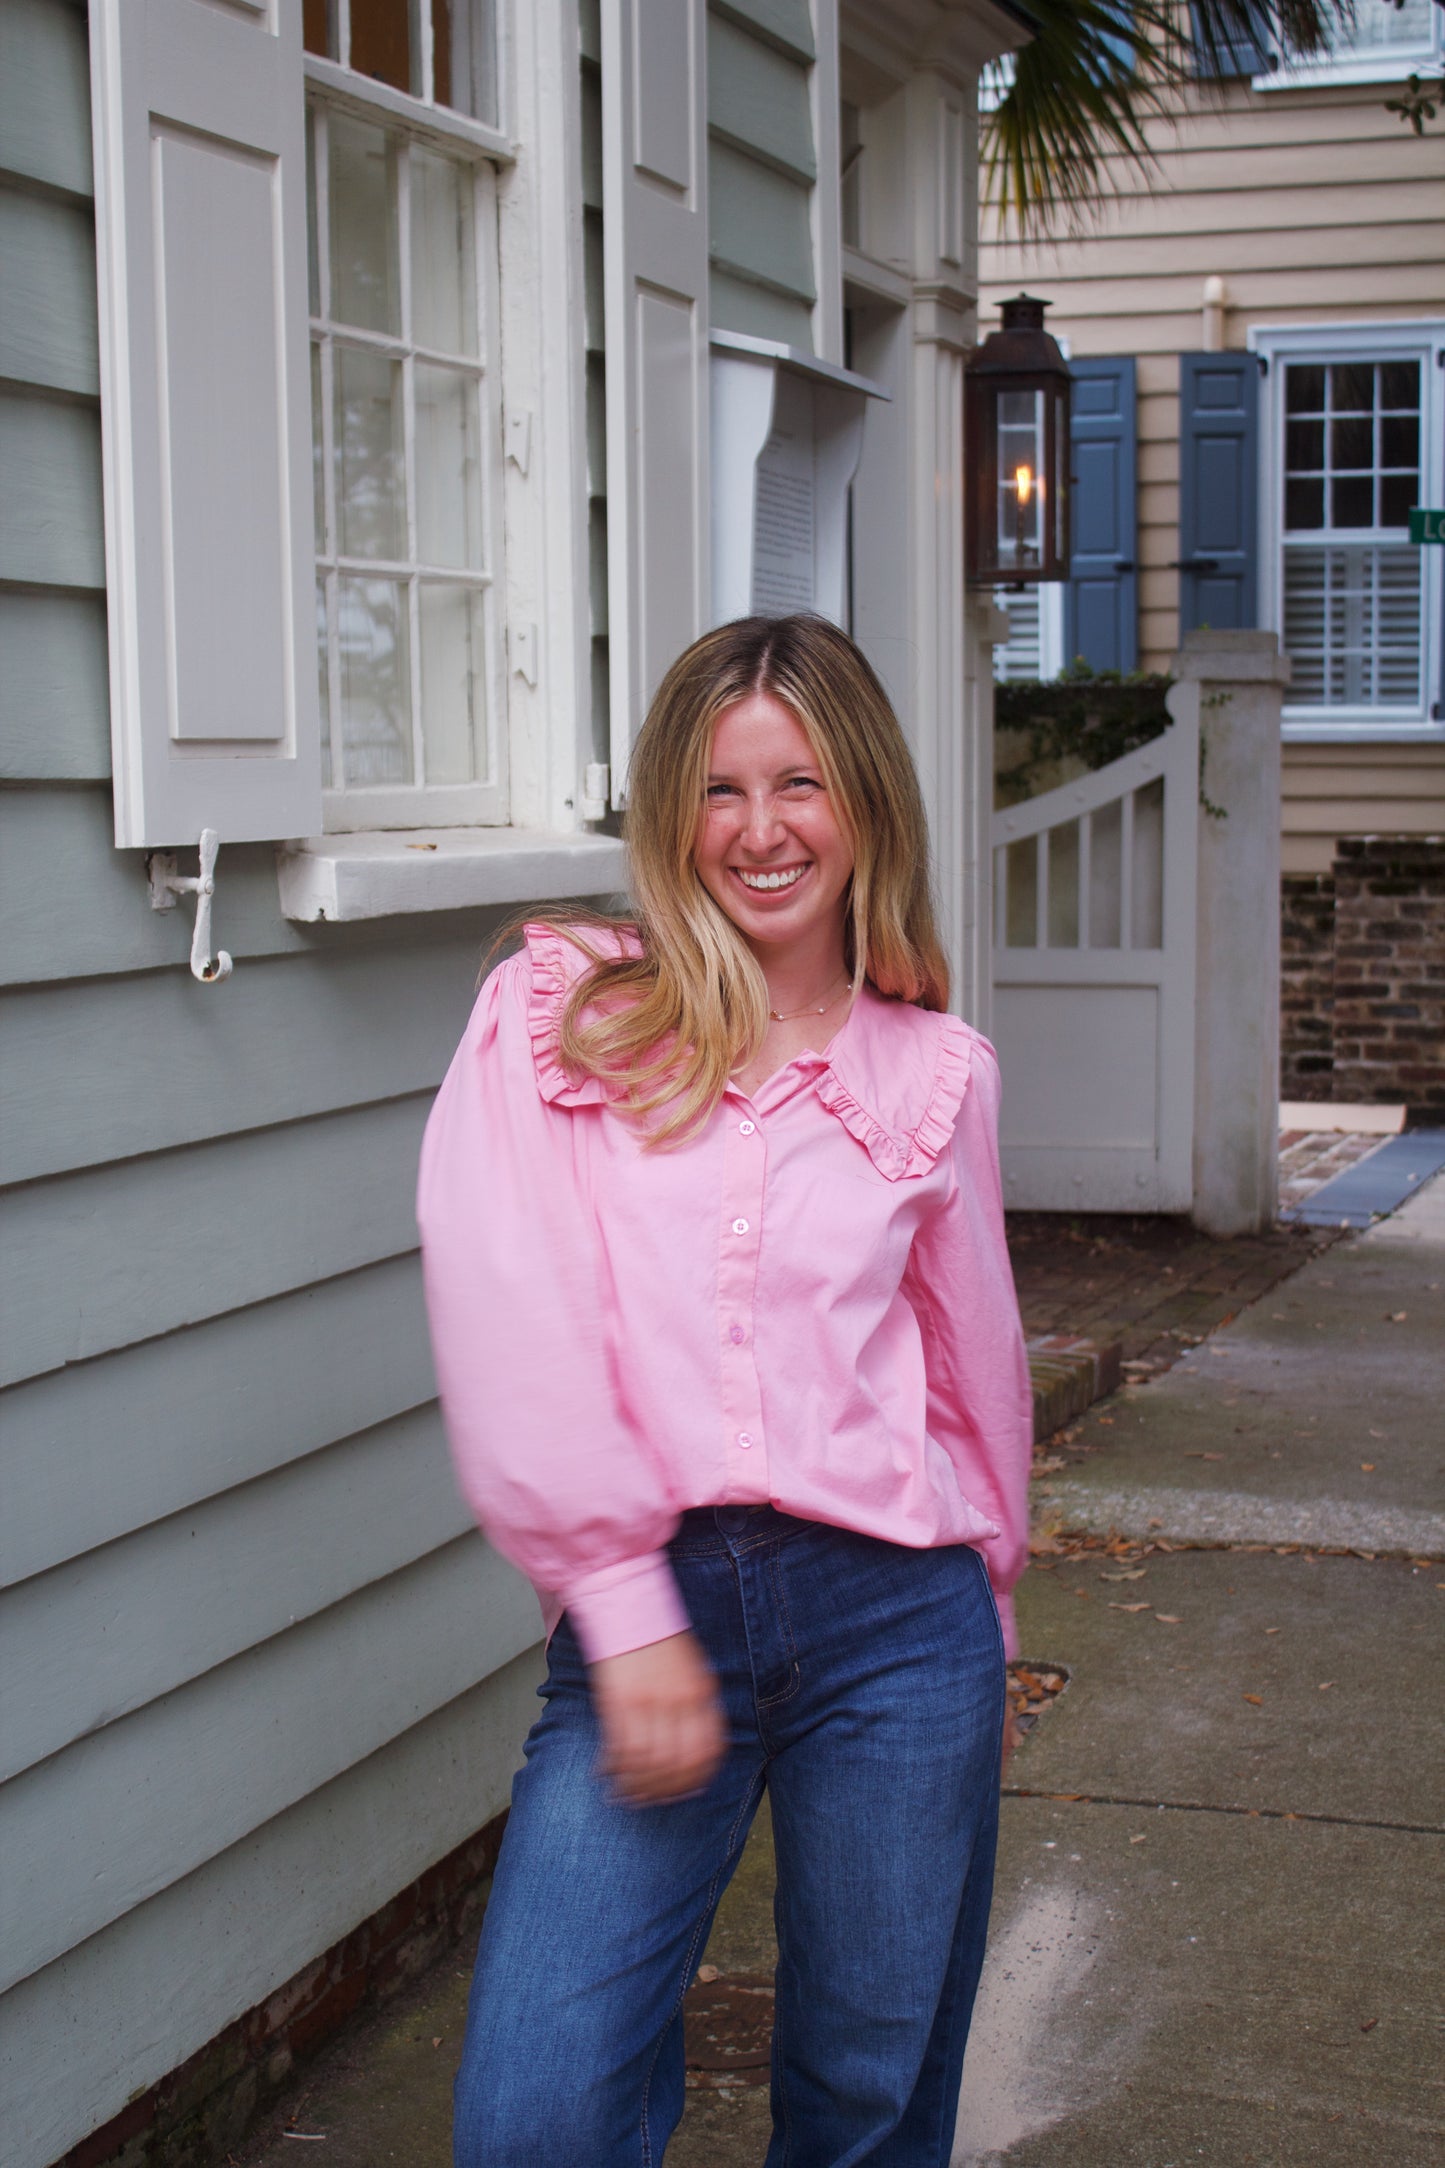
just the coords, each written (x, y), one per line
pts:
(1157, 1285)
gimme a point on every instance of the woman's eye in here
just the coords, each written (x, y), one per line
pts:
(718, 790)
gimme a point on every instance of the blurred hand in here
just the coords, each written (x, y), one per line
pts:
(663, 1735)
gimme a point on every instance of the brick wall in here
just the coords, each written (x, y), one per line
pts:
(1307, 986)
(1362, 979)
(194, 2117)
(1389, 1013)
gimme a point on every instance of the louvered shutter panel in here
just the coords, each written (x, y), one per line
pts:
(654, 140)
(1218, 492)
(205, 404)
(1101, 600)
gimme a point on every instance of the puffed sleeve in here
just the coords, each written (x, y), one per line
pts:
(516, 1295)
(960, 1285)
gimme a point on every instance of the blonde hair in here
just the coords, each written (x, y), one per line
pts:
(667, 1028)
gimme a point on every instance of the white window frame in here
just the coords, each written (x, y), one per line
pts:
(1345, 342)
(1369, 64)
(546, 848)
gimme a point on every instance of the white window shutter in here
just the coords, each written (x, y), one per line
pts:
(654, 137)
(210, 565)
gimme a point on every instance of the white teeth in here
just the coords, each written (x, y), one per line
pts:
(771, 880)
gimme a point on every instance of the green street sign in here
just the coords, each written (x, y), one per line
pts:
(1427, 525)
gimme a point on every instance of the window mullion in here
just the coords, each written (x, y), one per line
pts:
(343, 32)
(428, 51)
(331, 540)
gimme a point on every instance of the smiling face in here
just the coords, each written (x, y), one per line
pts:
(772, 850)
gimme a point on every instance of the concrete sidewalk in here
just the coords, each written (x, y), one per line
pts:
(1216, 1930)
(1216, 1924)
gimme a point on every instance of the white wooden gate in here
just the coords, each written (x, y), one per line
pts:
(1093, 986)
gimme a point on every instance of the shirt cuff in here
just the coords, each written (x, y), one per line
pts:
(1010, 1628)
(626, 1607)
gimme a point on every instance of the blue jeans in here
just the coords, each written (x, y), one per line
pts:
(864, 1686)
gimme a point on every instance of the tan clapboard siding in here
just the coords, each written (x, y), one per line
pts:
(150, 1987)
(1314, 206)
(1349, 790)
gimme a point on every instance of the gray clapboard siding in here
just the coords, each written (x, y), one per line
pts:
(285, 1039)
(149, 1990)
(229, 1574)
(757, 100)
(48, 332)
(45, 93)
(784, 23)
(118, 1816)
(758, 223)
(54, 693)
(56, 843)
(97, 1261)
(51, 516)
(101, 1448)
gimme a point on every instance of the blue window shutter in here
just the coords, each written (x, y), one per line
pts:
(1218, 492)
(1235, 55)
(1101, 601)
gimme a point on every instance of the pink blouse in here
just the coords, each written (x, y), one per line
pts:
(809, 1305)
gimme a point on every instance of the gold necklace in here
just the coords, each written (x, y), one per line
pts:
(821, 1009)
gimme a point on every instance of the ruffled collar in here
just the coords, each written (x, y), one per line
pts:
(894, 1075)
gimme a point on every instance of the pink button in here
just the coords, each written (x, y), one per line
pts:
(745, 1438)
(736, 1335)
(745, 1129)
(740, 1227)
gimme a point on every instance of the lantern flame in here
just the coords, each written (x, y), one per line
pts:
(1024, 483)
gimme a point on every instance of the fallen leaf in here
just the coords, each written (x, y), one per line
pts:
(1167, 1618)
(707, 1974)
(421, 846)
(1325, 1685)
(1130, 1573)
(1257, 1699)
(436, 2040)
(1369, 2024)
(1156, 1524)
(1204, 1456)
(1367, 1467)
(1271, 1629)
(1377, 1433)
(1397, 1317)
(1131, 1607)
(1142, 1838)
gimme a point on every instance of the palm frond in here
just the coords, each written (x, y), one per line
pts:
(1097, 71)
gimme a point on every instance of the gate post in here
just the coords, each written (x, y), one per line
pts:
(1241, 678)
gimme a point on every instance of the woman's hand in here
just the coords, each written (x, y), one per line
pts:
(662, 1722)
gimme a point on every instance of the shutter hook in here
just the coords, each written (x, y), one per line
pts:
(166, 885)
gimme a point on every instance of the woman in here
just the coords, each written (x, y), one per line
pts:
(731, 1366)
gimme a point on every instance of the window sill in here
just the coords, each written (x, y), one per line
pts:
(386, 873)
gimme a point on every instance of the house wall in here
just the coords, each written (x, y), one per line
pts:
(260, 1673)
(1314, 206)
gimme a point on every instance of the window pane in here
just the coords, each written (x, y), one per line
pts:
(463, 68)
(1352, 502)
(448, 509)
(318, 27)
(1352, 443)
(453, 682)
(1305, 446)
(1304, 388)
(1304, 504)
(375, 682)
(365, 274)
(382, 44)
(1398, 492)
(1352, 387)
(313, 253)
(369, 489)
(1400, 386)
(443, 255)
(1400, 441)
(1405, 22)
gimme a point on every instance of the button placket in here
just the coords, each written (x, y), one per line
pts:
(743, 1178)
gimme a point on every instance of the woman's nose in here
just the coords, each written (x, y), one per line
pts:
(764, 824)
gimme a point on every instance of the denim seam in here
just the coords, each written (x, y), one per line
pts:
(754, 1794)
(772, 1701)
